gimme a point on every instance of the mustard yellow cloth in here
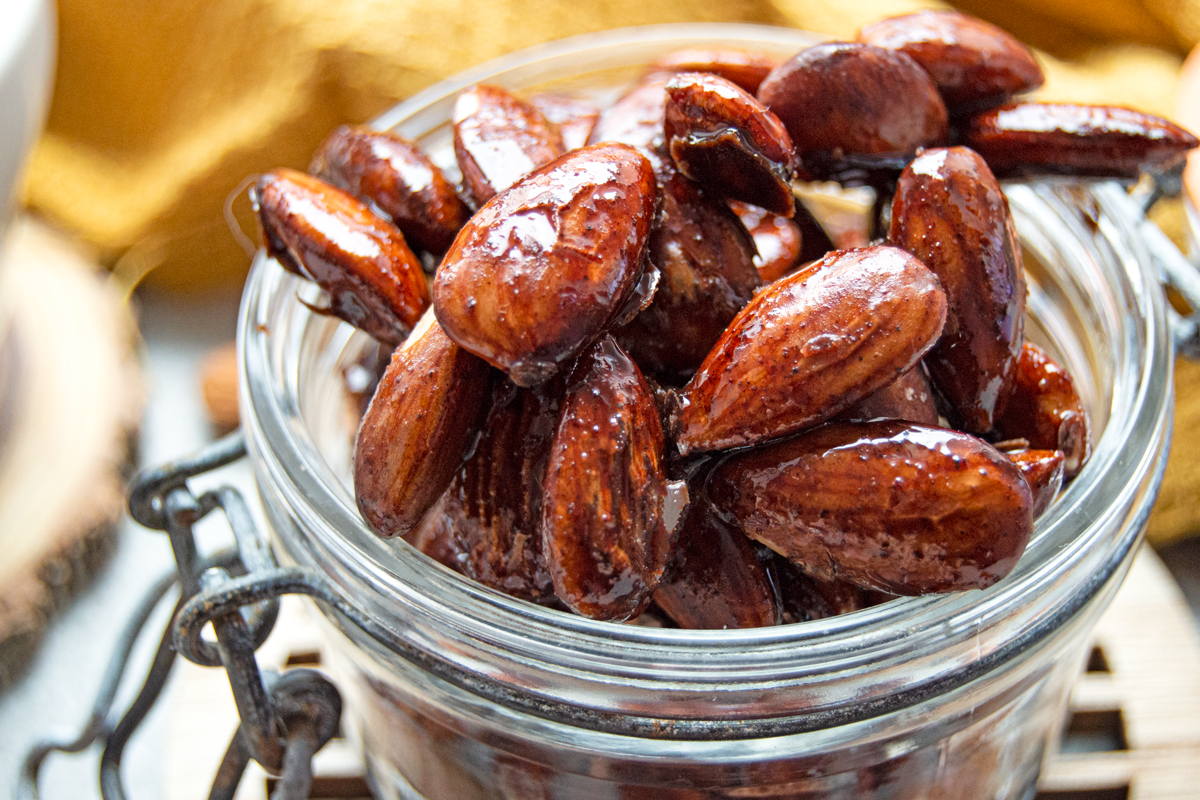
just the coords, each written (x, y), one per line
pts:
(162, 107)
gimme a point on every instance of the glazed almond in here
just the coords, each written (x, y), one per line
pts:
(971, 61)
(1043, 470)
(725, 140)
(636, 119)
(853, 105)
(393, 174)
(327, 235)
(488, 524)
(706, 261)
(1045, 408)
(809, 346)
(574, 116)
(777, 240)
(949, 212)
(715, 580)
(1023, 139)
(743, 68)
(424, 414)
(803, 597)
(499, 139)
(901, 508)
(609, 513)
(544, 267)
(909, 397)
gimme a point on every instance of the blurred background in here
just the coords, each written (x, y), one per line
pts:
(128, 128)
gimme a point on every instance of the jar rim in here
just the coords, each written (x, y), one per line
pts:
(1078, 545)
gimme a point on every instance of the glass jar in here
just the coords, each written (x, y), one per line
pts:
(472, 694)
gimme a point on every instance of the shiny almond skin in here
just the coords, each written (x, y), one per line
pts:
(1043, 470)
(544, 267)
(489, 521)
(425, 412)
(393, 174)
(901, 508)
(574, 116)
(809, 346)
(909, 397)
(636, 119)
(1028, 139)
(777, 240)
(743, 68)
(971, 61)
(706, 261)
(499, 139)
(803, 597)
(715, 580)
(327, 235)
(1045, 408)
(854, 104)
(728, 142)
(949, 212)
(609, 513)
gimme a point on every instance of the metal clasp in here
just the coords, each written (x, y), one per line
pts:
(1175, 270)
(285, 719)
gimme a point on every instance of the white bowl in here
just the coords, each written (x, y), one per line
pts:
(28, 40)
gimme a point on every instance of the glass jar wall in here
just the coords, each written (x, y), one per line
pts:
(472, 694)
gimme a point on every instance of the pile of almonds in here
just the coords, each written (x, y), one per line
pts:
(642, 381)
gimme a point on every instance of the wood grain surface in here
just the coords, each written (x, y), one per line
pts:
(72, 397)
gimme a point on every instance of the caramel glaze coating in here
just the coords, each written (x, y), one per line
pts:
(425, 412)
(329, 236)
(809, 346)
(1043, 470)
(636, 119)
(715, 580)
(972, 62)
(705, 257)
(725, 140)
(393, 174)
(544, 267)
(1024, 139)
(909, 397)
(574, 116)
(950, 213)
(1045, 408)
(499, 139)
(803, 597)
(488, 523)
(706, 260)
(745, 69)
(902, 508)
(853, 105)
(609, 513)
(777, 240)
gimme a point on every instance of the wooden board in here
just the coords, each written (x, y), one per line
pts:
(1133, 734)
(70, 403)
